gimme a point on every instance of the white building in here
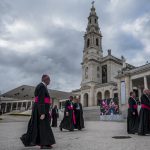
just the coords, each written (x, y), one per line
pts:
(100, 78)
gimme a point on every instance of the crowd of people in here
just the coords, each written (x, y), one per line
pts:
(73, 115)
(139, 122)
(39, 131)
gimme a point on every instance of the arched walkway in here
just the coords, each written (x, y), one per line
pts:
(86, 99)
(107, 94)
(99, 97)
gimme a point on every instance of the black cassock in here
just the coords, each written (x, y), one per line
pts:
(144, 117)
(68, 121)
(54, 117)
(39, 131)
(132, 120)
(79, 116)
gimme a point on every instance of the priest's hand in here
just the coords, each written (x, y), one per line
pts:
(67, 114)
(133, 113)
(42, 116)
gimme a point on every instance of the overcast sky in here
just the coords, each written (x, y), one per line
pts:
(46, 36)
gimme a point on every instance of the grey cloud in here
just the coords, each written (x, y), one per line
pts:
(61, 59)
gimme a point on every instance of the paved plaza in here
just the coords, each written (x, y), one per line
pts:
(96, 136)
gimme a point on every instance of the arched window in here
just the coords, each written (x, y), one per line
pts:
(99, 98)
(86, 72)
(104, 74)
(95, 20)
(86, 99)
(98, 75)
(88, 42)
(107, 94)
(97, 42)
(90, 20)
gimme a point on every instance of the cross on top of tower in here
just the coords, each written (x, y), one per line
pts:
(93, 3)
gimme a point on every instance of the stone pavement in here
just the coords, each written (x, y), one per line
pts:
(96, 136)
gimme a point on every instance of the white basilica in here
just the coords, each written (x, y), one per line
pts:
(101, 74)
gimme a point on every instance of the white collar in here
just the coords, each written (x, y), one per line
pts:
(133, 98)
(44, 84)
(147, 97)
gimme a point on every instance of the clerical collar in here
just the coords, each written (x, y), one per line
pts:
(133, 98)
(147, 96)
(44, 84)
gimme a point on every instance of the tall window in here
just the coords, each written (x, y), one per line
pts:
(90, 20)
(98, 76)
(86, 72)
(104, 74)
(95, 20)
(97, 42)
(88, 42)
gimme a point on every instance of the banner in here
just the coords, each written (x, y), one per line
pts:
(109, 106)
(123, 92)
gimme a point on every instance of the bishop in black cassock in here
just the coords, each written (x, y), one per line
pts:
(78, 114)
(68, 121)
(132, 119)
(144, 117)
(55, 115)
(39, 131)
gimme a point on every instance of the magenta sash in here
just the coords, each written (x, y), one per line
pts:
(145, 106)
(47, 100)
(134, 106)
(74, 118)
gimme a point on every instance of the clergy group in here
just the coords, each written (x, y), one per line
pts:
(138, 122)
(39, 131)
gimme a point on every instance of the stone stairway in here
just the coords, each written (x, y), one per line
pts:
(91, 113)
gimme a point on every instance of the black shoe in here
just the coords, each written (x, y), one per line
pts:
(131, 133)
(46, 147)
(60, 128)
(141, 134)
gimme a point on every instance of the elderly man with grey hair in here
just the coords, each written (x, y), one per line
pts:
(144, 117)
(39, 131)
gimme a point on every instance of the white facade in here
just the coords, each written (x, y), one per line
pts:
(102, 76)
(98, 72)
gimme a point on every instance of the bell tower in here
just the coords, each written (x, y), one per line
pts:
(92, 52)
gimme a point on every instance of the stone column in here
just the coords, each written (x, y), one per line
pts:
(127, 83)
(17, 106)
(91, 99)
(111, 93)
(11, 107)
(5, 108)
(26, 105)
(103, 95)
(131, 86)
(21, 105)
(119, 93)
(145, 83)
(139, 92)
(31, 104)
(82, 99)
